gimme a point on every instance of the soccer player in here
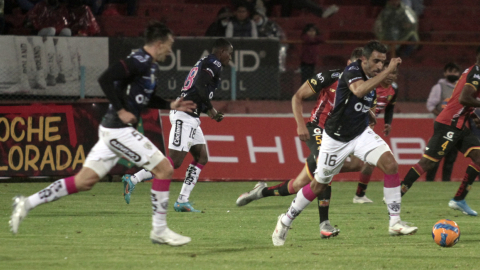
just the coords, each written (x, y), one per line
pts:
(129, 86)
(325, 84)
(347, 132)
(186, 134)
(386, 96)
(449, 131)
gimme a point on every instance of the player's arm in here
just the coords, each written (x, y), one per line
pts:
(110, 80)
(468, 96)
(388, 117)
(304, 92)
(201, 84)
(360, 88)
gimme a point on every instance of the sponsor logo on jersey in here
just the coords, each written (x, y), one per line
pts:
(332, 90)
(467, 70)
(313, 81)
(125, 150)
(317, 131)
(217, 63)
(177, 136)
(320, 77)
(140, 58)
(335, 75)
(476, 76)
(441, 153)
(354, 68)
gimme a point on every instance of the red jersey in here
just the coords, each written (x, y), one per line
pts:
(455, 114)
(385, 96)
(324, 105)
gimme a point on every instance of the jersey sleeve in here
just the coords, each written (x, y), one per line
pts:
(352, 74)
(213, 68)
(473, 78)
(323, 80)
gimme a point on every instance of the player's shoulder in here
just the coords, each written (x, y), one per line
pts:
(473, 75)
(394, 87)
(353, 67)
(211, 59)
(141, 56)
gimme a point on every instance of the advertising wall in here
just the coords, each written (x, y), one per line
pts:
(53, 140)
(267, 148)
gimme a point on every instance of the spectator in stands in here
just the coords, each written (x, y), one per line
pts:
(397, 22)
(437, 100)
(241, 25)
(309, 5)
(98, 6)
(267, 28)
(311, 39)
(415, 5)
(50, 17)
(219, 26)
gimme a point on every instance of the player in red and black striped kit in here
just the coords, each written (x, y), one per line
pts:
(386, 98)
(324, 84)
(451, 130)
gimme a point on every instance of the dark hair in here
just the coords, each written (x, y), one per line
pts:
(356, 54)
(308, 27)
(373, 45)
(241, 6)
(156, 31)
(451, 66)
(220, 43)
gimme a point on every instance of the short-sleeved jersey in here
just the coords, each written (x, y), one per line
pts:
(325, 84)
(385, 97)
(213, 67)
(349, 117)
(136, 90)
(455, 114)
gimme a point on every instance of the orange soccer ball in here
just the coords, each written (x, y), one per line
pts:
(446, 233)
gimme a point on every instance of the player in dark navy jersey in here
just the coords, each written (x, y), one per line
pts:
(347, 132)
(450, 130)
(129, 86)
(186, 135)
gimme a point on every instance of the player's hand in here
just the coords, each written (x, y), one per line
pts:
(387, 129)
(303, 133)
(394, 63)
(476, 120)
(183, 105)
(218, 117)
(126, 117)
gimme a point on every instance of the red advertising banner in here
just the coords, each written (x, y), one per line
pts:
(54, 140)
(267, 148)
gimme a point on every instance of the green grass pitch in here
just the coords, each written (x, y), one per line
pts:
(97, 230)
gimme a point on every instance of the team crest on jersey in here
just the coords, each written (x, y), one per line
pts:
(441, 153)
(313, 81)
(389, 97)
(354, 68)
(475, 82)
(335, 75)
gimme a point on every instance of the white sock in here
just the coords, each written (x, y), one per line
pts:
(393, 199)
(141, 176)
(299, 203)
(160, 192)
(191, 178)
(53, 192)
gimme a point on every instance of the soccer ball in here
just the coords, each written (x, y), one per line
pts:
(446, 233)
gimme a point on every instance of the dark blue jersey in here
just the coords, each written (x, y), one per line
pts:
(349, 117)
(201, 83)
(130, 85)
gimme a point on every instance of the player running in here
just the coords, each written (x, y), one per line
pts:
(325, 84)
(347, 132)
(449, 130)
(186, 134)
(386, 97)
(129, 85)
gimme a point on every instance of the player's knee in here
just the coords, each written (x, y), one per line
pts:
(391, 168)
(203, 159)
(426, 164)
(177, 163)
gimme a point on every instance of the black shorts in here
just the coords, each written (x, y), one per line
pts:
(446, 137)
(313, 144)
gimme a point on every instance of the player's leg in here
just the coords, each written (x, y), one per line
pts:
(365, 175)
(199, 153)
(448, 162)
(331, 157)
(373, 149)
(443, 140)
(98, 162)
(470, 146)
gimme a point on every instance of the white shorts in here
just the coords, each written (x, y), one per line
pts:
(115, 143)
(333, 153)
(185, 131)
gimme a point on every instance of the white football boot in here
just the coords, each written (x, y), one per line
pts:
(169, 237)
(252, 195)
(362, 199)
(401, 228)
(19, 212)
(280, 233)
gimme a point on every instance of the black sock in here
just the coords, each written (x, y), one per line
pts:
(413, 174)
(278, 190)
(324, 203)
(468, 180)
